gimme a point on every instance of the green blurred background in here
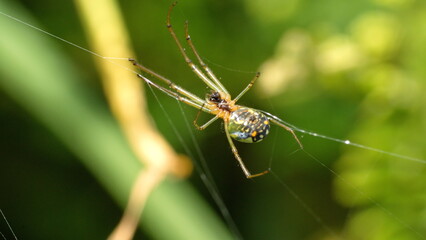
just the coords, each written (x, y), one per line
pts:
(347, 69)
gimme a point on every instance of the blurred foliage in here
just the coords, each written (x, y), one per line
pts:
(351, 70)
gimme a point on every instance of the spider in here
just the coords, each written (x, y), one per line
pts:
(241, 123)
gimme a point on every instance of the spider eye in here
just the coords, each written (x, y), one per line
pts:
(214, 97)
(248, 125)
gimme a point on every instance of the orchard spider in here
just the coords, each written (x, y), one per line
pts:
(241, 123)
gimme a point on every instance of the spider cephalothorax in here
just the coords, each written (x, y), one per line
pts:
(243, 124)
(222, 101)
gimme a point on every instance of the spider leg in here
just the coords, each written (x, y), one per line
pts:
(248, 87)
(205, 125)
(288, 129)
(175, 95)
(203, 65)
(237, 156)
(194, 67)
(173, 86)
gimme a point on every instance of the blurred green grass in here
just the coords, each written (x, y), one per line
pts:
(349, 70)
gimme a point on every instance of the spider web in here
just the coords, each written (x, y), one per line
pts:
(9, 228)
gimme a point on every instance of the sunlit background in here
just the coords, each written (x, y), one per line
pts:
(347, 69)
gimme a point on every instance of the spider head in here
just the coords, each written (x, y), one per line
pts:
(221, 100)
(214, 97)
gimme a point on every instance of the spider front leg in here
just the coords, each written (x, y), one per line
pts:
(188, 61)
(174, 95)
(171, 85)
(237, 156)
(200, 60)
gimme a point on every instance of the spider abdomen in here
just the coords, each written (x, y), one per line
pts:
(248, 125)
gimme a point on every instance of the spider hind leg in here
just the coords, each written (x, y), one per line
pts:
(237, 156)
